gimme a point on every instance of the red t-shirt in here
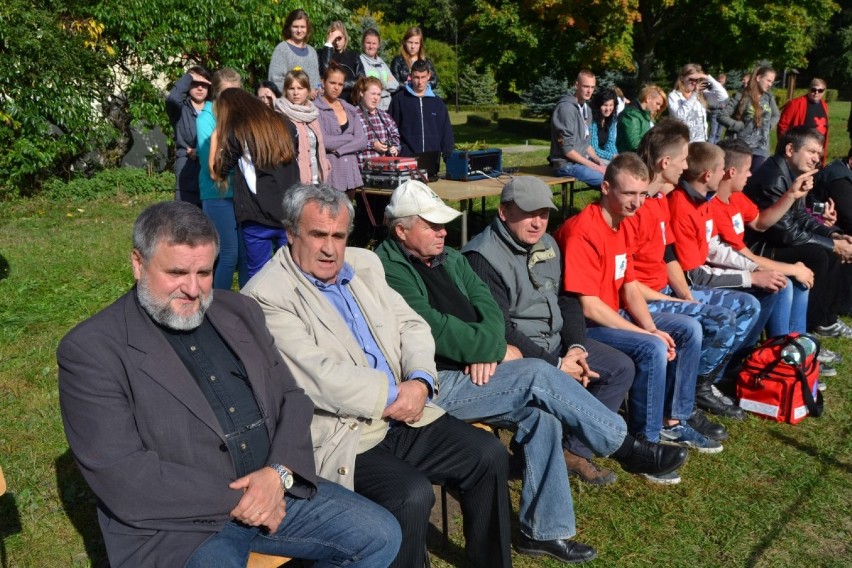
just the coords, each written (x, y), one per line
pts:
(647, 237)
(692, 227)
(596, 258)
(731, 218)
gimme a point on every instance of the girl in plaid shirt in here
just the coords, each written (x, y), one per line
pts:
(382, 133)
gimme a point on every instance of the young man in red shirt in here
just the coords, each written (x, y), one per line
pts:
(702, 256)
(732, 212)
(727, 317)
(665, 347)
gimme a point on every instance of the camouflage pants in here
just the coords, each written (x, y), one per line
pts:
(727, 317)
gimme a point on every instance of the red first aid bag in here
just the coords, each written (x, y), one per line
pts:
(778, 380)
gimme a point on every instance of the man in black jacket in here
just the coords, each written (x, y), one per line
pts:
(797, 236)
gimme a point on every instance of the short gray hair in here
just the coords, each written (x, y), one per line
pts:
(175, 223)
(324, 195)
(406, 222)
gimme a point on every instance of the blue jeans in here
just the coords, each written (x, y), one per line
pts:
(616, 372)
(231, 249)
(791, 311)
(661, 389)
(540, 401)
(335, 527)
(583, 173)
(261, 242)
(727, 318)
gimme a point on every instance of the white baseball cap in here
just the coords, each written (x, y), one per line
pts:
(416, 198)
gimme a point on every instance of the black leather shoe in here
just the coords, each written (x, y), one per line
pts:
(569, 551)
(705, 427)
(706, 399)
(651, 458)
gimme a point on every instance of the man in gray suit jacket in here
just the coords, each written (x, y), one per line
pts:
(190, 429)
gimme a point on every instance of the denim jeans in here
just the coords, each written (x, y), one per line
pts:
(583, 173)
(791, 311)
(231, 249)
(261, 242)
(661, 388)
(335, 527)
(540, 401)
(727, 318)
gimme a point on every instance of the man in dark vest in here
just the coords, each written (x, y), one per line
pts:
(522, 266)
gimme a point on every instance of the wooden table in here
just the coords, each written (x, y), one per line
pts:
(465, 192)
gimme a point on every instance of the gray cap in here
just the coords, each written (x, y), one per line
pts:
(529, 193)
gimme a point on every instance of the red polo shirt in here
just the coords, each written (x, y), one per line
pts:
(647, 237)
(596, 258)
(731, 218)
(692, 226)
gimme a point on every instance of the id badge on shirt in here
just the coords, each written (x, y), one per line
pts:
(620, 266)
(737, 222)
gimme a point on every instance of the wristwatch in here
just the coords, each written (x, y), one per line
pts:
(286, 476)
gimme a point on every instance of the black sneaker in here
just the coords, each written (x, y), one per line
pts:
(702, 425)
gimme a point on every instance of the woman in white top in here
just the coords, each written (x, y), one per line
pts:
(695, 92)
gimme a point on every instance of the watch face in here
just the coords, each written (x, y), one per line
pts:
(288, 481)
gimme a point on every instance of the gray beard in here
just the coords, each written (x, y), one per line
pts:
(162, 312)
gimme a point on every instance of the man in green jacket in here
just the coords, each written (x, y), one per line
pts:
(636, 118)
(483, 378)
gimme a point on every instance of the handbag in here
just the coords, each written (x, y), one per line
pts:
(778, 380)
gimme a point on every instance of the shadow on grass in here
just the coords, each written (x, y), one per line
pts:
(79, 504)
(5, 269)
(10, 523)
(805, 492)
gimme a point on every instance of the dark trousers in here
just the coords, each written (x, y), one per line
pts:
(399, 473)
(829, 292)
(616, 372)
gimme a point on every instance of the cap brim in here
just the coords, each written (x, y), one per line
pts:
(441, 215)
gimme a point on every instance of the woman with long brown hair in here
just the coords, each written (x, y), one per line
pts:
(410, 50)
(751, 114)
(255, 143)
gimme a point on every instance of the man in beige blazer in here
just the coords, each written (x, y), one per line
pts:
(367, 362)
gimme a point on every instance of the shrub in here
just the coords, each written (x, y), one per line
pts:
(110, 183)
(478, 120)
(525, 128)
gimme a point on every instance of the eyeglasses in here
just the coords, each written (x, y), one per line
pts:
(816, 90)
(196, 84)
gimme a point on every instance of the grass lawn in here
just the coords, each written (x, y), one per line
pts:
(778, 495)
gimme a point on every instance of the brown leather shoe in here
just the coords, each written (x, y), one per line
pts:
(588, 470)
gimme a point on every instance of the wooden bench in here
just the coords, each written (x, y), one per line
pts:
(258, 560)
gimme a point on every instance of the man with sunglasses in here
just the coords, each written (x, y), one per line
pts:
(810, 111)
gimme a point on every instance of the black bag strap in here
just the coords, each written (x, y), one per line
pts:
(815, 407)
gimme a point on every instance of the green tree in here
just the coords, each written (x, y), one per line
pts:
(477, 88)
(542, 98)
(156, 40)
(53, 89)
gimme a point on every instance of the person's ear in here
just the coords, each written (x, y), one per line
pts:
(136, 262)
